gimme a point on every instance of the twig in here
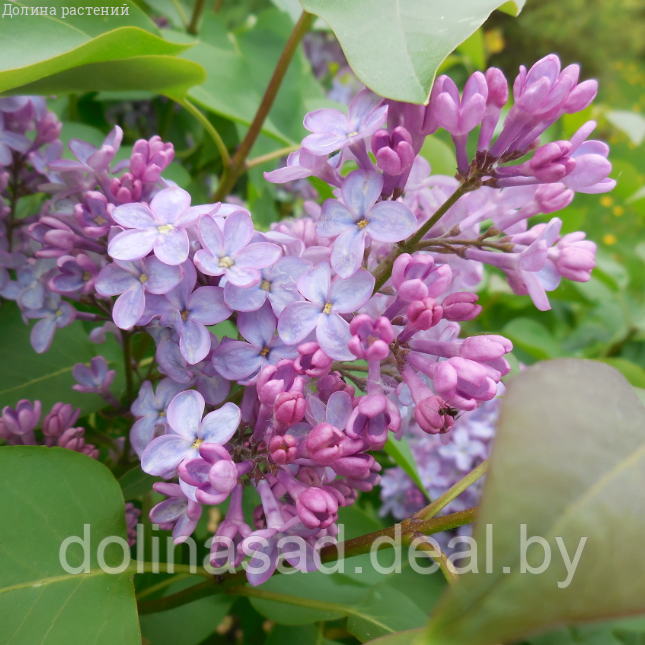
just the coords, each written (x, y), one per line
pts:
(194, 21)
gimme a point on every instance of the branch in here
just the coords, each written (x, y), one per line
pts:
(276, 154)
(357, 546)
(239, 160)
(194, 21)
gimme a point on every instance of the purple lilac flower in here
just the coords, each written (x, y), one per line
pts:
(165, 453)
(228, 252)
(77, 275)
(150, 408)
(54, 314)
(160, 228)
(178, 512)
(90, 158)
(131, 281)
(239, 361)
(326, 300)
(333, 131)
(10, 141)
(359, 216)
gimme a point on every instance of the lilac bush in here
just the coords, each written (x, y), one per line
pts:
(347, 320)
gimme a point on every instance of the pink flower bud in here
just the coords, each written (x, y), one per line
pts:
(551, 162)
(370, 339)
(61, 417)
(356, 466)
(324, 444)
(424, 314)
(317, 508)
(432, 415)
(461, 306)
(223, 476)
(497, 87)
(283, 449)
(312, 361)
(290, 408)
(553, 197)
(333, 383)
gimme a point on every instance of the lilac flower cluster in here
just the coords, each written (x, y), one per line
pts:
(373, 282)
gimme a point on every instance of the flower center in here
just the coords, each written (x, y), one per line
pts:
(143, 278)
(162, 414)
(184, 315)
(59, 312)
(165, 228)
(99, 220)
(362, 224)
(327, 308)
(197, 443)
(351, 134)
(226, 262)
(87, 276)
(266, 285)
(265, 351)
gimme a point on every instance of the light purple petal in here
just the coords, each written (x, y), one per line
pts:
(258, 327)
(169, 510)
(347, 252)
(211, 236)
(142, 433)
(327, 120)
(264, 571)
(236, 360)
(113, 280)
(363, 105)
(339, 409)
(129, 307)
(136, 216)
(206, 305)
(334, 219)
(324, 143)
(391, 222)
(536, 291)
(238, 231)
(162, 277)
(351, 294)
(133, 244)
(42, 334)
(360, 190)
(258, 256)
(207, 263)
(169, 204)
(145, 401)
(81, 149)
(164, 454)
(333, 335)
(185, 413)
(194, 341)
(297, 321)
(219, 426)
(245, 298)
(172, 247)
(243, 276)
(313, 284)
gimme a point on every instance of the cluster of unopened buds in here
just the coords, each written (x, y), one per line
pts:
(347, 320)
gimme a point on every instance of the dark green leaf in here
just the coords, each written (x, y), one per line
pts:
(135, 482)
(532, 337)
(50, 494)
(400, 451)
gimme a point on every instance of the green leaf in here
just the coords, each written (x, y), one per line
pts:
(50, 494)
(408, 637)
(135, 483)
(440, 155)
(300, 635)
(400, 451)
(568, 462)
(239, 67)
(384, 611)
(632, 372)
(189, 624)
(532, 337)
(90, 53)
(420, 34)
(46, 377)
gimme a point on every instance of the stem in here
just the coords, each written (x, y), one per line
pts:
(215, 135)
(276, 154)
(357, 546)
(162, 585)
(383, 272)
(441, 502)
(194, 21)
(446, 566)
(239, 160)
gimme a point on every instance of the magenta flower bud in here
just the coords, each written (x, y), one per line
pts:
(283, 449)
(461, 115)
(461, 306)
(497, 87)
(126, 189)
(370, 339)
(380, 139)
(394, 154)
(552, 162)
(23, 419)
(574, 257)
(312, 362)
(324, 444)
(317, 508)
(553, 197)
(333, 383)
(484, 348)
(61, 417)
(150, 158)
(432, 415)
(55, 236)
(424, 314)
(410, 275)
(73, 439)
(354, 466)
(581, 96)
(223, 476)
(270, 391)
(290, 408)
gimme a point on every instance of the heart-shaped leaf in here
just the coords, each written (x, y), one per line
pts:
(568, 464)
(419, 35)
(49, 495)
